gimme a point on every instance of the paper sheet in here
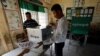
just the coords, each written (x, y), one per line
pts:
(10, 4)
(86, 11)
(13, 19)
(82, 11)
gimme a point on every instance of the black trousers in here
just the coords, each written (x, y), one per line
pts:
(59, 48)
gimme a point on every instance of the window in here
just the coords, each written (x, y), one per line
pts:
(40, 17)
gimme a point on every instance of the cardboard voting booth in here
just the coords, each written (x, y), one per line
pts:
(35, 36)
(38, 35)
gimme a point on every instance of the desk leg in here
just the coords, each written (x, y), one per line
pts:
(51, 50)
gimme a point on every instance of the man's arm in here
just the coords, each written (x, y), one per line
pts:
(36, 24)
(24, 25)
(62, 28)
(24, 52)
(40, 43)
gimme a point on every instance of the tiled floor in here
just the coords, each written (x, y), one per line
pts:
(76, 50)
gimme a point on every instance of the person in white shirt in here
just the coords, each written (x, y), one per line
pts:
(61, 30)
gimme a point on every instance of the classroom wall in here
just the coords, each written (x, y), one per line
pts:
(7, 36)
(69, 3)
(4, 33)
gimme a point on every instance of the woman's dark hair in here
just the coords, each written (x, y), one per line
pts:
(56, 7)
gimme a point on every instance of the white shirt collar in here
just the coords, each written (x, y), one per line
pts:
(61, 18)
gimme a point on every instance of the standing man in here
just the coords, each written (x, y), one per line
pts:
(30, 23)
(61, 30)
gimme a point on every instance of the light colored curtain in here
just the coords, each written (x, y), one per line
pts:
(43, 19)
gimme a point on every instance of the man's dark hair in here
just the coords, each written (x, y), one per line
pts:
(28, 13)
(52, 24)
(56, 7)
